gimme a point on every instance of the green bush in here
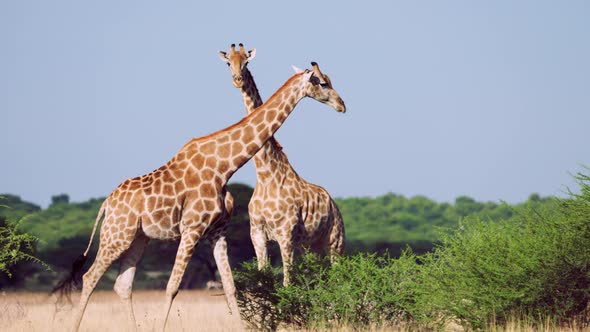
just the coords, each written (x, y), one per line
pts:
(257, 297)
(356, 291)
(535, 264)
(479, 273)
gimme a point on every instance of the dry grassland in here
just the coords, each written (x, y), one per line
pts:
(191, 311)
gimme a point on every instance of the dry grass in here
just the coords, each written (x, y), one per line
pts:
(191, 311)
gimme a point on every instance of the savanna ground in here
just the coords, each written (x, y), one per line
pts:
(191, 311)
(197, 310)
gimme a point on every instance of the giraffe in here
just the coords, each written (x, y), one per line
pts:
(187, 199)
(284, 207)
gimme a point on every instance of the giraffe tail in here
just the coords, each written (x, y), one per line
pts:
(98, 217)
(73, 280)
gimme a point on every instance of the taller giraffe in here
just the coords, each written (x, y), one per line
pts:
(284, 207)
(186, 198)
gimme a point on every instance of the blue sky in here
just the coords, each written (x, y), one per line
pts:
(445, 98)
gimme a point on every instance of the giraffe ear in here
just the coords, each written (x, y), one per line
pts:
(308, 76)
(297, 70)
(223, 56)
(251, 54)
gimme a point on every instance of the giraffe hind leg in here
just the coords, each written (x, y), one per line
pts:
(188, 241)
(124, 282)
(219, 245)
(337, 239)
(107, 254)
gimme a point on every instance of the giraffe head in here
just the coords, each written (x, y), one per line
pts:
(319, 87)
(237, 61)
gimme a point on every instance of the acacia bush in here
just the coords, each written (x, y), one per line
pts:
(533, 266)
(257, 296)
(355, 291)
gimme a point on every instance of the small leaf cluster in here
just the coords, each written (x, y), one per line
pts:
(15, 246)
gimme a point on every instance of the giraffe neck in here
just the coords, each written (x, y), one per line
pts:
(270, 158)
(250, 94)
(232, 147)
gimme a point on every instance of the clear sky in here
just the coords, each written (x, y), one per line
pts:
(489, 99)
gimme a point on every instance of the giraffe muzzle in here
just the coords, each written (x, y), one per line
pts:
(238, 81)
(338, 105)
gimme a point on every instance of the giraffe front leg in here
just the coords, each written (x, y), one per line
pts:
(287, 253)
(259, 241)
(188, 240)
(288, 242)
(123, 284)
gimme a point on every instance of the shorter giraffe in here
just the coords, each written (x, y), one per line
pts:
(284, 207)
(187, 198)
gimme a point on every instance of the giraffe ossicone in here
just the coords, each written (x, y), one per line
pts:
(187, 199)
(284, 207)
(296, 69)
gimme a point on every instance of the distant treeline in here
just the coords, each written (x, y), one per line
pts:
(391, 222)
(387, 223)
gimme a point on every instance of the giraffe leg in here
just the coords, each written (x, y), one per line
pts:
(337, 237)
(188, 240)
(259, 241)
(219, 245)
(124, 282)
(336, 245)
(287, 253)
(107, 253)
